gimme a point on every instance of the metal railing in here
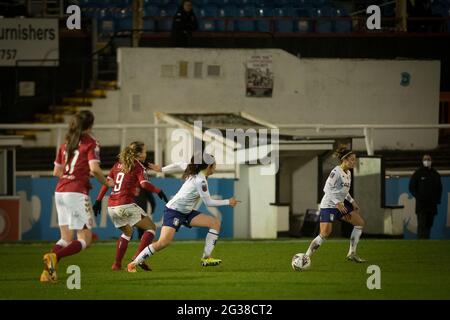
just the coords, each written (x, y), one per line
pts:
(367, 130)
(60, 127)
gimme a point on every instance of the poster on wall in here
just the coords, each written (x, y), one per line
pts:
(259, 76)
(29, 42)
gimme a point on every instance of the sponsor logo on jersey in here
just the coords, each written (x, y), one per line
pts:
(204, 186)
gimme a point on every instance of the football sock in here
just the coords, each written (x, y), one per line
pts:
(74, 247)
(146, 239)
(354, 239)
(315, 244)
(122, 245)
(60, 244)
(147, 252)
(210, 242)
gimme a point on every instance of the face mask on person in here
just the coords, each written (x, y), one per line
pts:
(427, 163)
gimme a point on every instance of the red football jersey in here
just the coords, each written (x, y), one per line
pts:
(76, 173)
(124, 191)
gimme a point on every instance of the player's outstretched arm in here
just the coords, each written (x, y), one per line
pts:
(202, 188)
(171, 168)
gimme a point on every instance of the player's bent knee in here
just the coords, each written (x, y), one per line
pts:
(216, 225)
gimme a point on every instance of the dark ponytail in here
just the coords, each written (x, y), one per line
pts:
(194, 168)
(82, 121)
(342, 152)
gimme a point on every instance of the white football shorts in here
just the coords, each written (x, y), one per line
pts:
(127, 214)
(74, 210)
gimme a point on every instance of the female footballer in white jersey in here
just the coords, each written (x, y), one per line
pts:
(180, 211)
(338, 204)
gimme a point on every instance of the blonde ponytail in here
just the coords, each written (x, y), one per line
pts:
(129, 155)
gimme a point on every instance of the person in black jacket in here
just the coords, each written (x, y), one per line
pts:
(425, 185)
(141, 199)
(184, 22)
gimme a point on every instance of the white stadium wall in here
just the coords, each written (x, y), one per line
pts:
(327, 91)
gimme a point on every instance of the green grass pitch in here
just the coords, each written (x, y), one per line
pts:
(250, 270)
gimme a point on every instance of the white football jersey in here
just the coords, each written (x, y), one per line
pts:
(336, 188)
(194, 188)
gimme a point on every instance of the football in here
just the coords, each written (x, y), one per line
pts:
(300, 262)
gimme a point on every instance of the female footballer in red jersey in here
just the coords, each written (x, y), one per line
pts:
(77, 158)
(129, 174)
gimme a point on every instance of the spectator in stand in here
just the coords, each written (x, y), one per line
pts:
(184, 23)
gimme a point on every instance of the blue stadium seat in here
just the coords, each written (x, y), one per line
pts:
(244, 3)
(207, 25)
(92, 13)
(324, 26)
(342, 25)
(248, 11)
(226, 12)
(304, 3)
(286, 11)
(200, 3)
(388, 10)
(284, 3)
(166, 12)
(158, 2)
(320, 3)
(440, 9)
(246, 25)
(302, 24)
(446, 13)
(106, 23)
(151, 11)
(123, 20)
(265, 3)
(223, 3)
(210, 10)
(284, 25)
(207, 11)
(149, 25)
(121, 3)
(263, 12)
(93, 3)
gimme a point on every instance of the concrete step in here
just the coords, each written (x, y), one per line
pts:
(106, 85)
(69, 109)
(49, 117)
(91, 93)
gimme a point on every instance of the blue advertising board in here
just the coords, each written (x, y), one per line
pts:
(39, 216)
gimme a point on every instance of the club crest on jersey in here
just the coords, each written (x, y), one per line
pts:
(204, 186)
(176, 222)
